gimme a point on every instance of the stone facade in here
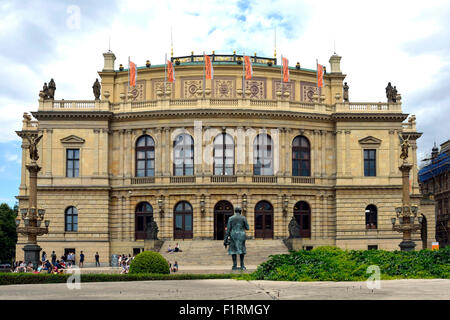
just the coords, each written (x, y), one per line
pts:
(107, 189)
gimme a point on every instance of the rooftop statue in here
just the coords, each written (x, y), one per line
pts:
(96, 88)
(235, 237)
(389, 93)
(345, 92)
(44, 93)
(394, 94)
(51, 89)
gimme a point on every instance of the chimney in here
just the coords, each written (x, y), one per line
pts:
(335, 62)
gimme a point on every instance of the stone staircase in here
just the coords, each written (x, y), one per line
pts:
(210, 254)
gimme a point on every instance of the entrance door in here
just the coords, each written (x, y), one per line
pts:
(264, 220)
(182, 222)
(302, 213)
(222, 212)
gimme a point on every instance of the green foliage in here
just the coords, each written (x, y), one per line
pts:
(8, 234)
(42, 278)
(149, 262)
(334, 264)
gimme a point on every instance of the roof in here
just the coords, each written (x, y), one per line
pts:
(438, 165)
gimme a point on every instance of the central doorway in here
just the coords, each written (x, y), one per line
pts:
(264, 220)
(223, 210)
(182, 221)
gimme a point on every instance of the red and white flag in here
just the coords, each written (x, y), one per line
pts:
(132, 73)
(248, 68)
(285, 70)
(170, 71)
(209, 70)
(319, 75)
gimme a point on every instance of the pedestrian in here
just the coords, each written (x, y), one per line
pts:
(97, 259)
(53, 257)
(44, 256)
(81, 259)
(175, 266)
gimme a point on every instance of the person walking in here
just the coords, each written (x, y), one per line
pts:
(97, 259)
(53, 258)
(44, 256)
(81, 259)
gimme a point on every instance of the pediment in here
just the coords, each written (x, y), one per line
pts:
(370, 140)
(72, 139)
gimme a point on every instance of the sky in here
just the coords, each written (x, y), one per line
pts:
(404, 42)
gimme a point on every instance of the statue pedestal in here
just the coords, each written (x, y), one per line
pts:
(152, 245)
(407, 245)
(32, 253)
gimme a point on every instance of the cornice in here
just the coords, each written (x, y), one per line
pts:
(396, 117)
(92, 115)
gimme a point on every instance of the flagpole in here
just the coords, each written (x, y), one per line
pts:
(204, 74)
(128, 74)
(281, 75)
(243, 75)
(165, 73)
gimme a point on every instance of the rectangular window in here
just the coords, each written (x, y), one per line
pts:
(370, 163)
(372, 247)
(72, 163)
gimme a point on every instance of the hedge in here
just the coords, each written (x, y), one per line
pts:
(149, 262)
(42, 278)
(334, 264)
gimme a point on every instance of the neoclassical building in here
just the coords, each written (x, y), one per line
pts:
(186, 153)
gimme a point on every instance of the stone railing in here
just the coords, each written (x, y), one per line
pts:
(309, 180)
(264, 179)
(142, 180)
(215, 103)
(223, 179)
(183, 179)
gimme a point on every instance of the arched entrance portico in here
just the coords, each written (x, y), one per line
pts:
(264, 220)
(223, 210)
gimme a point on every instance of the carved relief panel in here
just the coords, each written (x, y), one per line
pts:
(257, 87)
(138, 91)
(307, 90)
(224, 87)
(158, 84)
(287, 87)
(190, 86)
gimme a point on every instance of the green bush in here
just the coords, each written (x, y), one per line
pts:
(30, 278)
(149, 262)
(334, 264)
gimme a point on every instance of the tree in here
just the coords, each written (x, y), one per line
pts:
(8, 234)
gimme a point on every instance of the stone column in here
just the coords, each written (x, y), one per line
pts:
(415, 186)
(104, 152)
(347, 153)
(340, 155)
(282, 151)
(288, 155)
(240, 151)
(121, 217)
(121, 153)
(391, 152)
(23, 172)
(158, 152)
(323, 134)
(316, 153)
(325, 221)
(167, 149)
(248, 156)
(96, 152)
(48, 154)
(129, 213)
(128, 149)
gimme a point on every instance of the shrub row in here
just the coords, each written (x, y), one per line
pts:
(334, 264)
(30, 278)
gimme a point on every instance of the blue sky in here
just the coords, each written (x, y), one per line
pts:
(406, 43)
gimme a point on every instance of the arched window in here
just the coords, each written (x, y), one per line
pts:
(143, 215)
(302, 214)
(371, 217)
(145, 157)
(223, 155)
(183, 155)
(71, 219)
(264, 220)
(262, 155)
(183, 223)
(301, 157)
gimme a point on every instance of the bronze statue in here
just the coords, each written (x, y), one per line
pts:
(405, 147)
(51, 89)
(235, 237)
(33, 141)
(345, 92)
(96, 88)
(152, 229)
(389, 90)
(294, 228)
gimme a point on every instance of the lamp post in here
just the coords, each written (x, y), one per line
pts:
(407, 213)
(32, 216)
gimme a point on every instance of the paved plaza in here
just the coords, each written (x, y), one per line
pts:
(226, 289)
